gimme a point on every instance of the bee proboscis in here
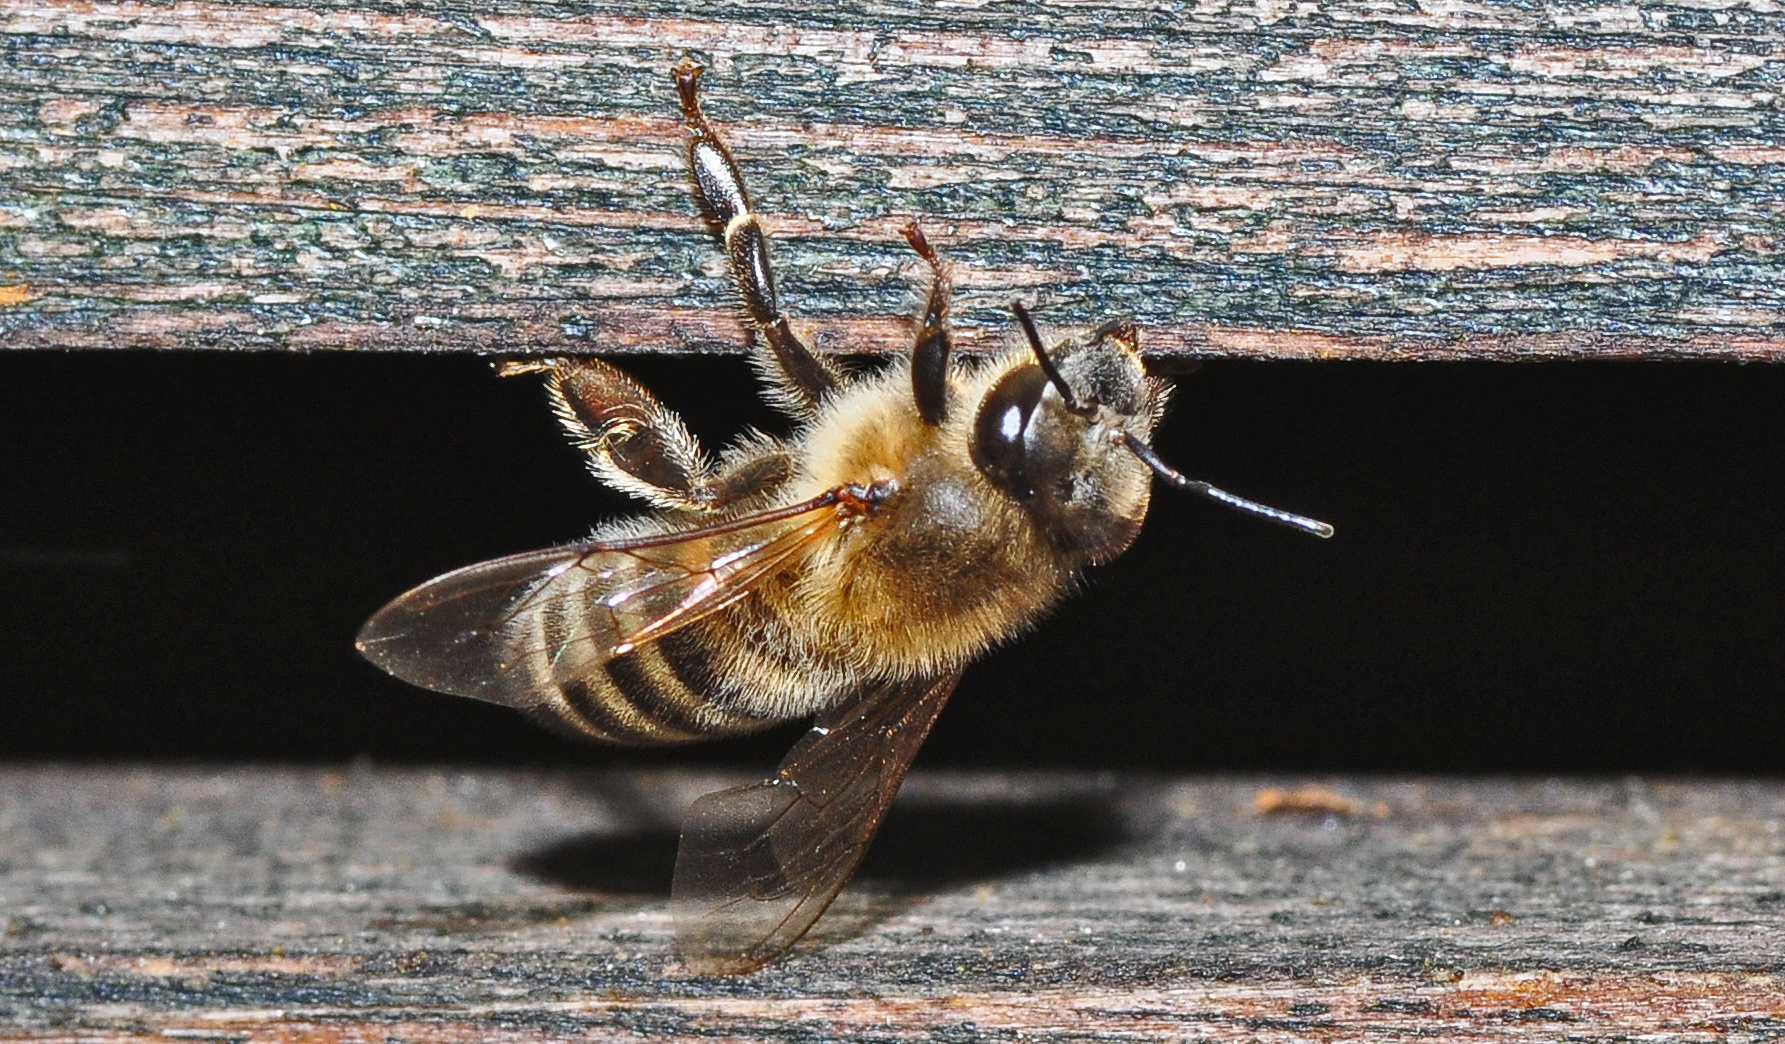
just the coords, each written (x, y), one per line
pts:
(916, 516)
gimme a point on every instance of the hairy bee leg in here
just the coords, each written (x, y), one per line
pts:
(635, 443)
(929, 352)
(799, 376)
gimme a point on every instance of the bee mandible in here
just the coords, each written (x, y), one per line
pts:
(915, 517)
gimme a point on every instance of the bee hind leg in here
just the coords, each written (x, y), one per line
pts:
(798, 378)
(635, 443)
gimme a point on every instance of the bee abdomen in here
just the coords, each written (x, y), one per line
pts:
(659, 693)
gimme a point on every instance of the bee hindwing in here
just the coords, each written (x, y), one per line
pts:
(759, 863)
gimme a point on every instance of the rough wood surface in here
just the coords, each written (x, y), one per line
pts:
(1351, 178)
(262, 903)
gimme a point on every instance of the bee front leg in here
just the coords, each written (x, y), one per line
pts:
(635, 443)
(929, 353)
(798, 378)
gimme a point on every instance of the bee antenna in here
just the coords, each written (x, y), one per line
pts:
(1251, 507)
(1047, 364)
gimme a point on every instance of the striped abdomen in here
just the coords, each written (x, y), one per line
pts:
(733, 672)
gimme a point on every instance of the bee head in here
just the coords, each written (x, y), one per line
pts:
(1067, 437)
(1053, 434)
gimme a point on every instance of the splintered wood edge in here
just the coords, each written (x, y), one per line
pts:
(1454, 1006)
(633, 329)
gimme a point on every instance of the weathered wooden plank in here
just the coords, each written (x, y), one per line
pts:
(263, 903)
(1338, 179)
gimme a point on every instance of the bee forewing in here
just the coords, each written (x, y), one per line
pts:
(455, 633)
(759, 863)
(513, 630)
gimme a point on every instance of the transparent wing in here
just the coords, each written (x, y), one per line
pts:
(504, 630)
(758, 864)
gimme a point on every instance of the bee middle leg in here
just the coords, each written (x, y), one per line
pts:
(639, 446)
(929, 353)
(799, 378)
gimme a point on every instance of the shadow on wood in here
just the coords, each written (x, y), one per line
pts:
(921, 846)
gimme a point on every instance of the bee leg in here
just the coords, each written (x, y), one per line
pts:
(635, 444)
(798, 379)
(929, 353)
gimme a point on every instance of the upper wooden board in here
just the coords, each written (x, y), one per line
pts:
(1344, 178)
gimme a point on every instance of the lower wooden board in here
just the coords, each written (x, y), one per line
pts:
(258, 903)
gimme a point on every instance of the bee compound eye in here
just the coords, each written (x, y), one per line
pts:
(1001, 430)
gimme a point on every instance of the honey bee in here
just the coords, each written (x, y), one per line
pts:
(916, 517)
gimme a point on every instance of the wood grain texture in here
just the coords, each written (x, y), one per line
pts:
(1342, 178)
(272, 904)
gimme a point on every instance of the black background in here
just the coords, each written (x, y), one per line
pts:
(1539, 567)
